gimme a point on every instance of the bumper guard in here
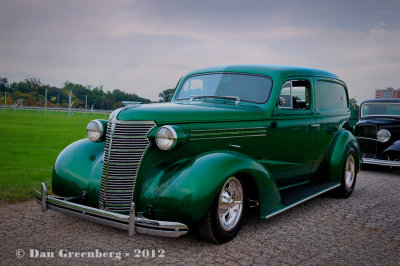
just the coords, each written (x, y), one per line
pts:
(132, 222)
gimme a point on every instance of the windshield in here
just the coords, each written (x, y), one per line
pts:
(380, 109)
(249, 88)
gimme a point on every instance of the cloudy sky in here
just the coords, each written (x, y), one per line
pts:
(146, 46)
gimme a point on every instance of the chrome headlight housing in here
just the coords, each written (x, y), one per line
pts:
(95, 131)
(166, 138)
(383, 135)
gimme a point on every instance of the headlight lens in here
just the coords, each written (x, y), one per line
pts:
(166, 138)
(383, 135)
(94, 130)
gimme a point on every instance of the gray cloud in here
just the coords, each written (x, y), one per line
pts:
(145, 46)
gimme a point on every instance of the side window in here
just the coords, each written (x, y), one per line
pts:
(295, 95)
(330, 95)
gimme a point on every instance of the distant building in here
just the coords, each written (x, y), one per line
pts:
(387, 93)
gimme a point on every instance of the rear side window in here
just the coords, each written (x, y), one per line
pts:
(330, 95)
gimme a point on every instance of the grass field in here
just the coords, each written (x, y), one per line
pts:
(29, 145)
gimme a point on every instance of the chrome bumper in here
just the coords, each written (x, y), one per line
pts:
(130, 222)
(381, 162)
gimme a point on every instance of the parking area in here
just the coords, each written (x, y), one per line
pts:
(363, 229)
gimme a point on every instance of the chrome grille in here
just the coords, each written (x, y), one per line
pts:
(368, 131)
(125, 144)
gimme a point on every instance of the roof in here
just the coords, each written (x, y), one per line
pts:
(269, 70)
(386, 100)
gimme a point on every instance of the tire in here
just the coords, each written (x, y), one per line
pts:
(349, 175)
(225, 216)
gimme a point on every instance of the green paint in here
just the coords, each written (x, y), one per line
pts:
(264, 144)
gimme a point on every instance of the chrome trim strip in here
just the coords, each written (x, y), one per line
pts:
(124, 222)
(135, 122)
(367, 138)
(381, 162)
(211, 134)
(229, 137)
(301, 201)
(222, 133)
(215, 129)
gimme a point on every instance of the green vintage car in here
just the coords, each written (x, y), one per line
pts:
(232, 138)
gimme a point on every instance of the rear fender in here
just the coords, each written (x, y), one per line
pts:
(186, 189)
(344, 141)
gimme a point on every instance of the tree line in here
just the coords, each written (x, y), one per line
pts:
(32, 93)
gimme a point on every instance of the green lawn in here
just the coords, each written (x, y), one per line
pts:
(29, 145)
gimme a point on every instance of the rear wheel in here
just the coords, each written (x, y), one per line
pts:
(349, 175)
(225, 216)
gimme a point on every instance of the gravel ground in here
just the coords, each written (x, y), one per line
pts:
(363, 229)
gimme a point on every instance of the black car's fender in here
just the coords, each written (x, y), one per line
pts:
(393, 150)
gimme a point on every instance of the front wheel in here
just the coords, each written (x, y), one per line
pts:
(225, 216)
(349, 174)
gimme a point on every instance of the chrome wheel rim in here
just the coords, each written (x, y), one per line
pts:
(349, 172)
(230, 204)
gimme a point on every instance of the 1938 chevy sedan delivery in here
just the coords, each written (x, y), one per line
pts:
(232, 137)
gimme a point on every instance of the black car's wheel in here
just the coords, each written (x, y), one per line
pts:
(225, 216)
(349, 175)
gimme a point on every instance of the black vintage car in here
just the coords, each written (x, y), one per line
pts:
(378, 132)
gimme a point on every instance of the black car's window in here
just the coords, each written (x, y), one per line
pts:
(295, 94)
(330, 95)
(249, 88)
(380, 109)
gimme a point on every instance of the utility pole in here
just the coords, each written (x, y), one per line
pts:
(85, 104)
(69, 103)
(101, 96)
(45, 102)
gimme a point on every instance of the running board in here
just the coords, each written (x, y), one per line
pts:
(292, 197)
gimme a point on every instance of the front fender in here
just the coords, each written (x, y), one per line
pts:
(344, 141)
(394, 148)
(77, 169)
(184, 190)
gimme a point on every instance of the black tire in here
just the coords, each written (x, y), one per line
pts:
(349, 175)
(214, 227)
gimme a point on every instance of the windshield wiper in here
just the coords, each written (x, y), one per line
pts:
(194, 97)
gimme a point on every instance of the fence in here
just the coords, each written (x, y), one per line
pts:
(70, 111)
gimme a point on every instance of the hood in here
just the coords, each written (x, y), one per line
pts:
(380, 121)
(186, 112)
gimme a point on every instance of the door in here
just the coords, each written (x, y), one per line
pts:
(291, 137)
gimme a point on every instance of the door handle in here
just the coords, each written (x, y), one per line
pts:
(315, 125)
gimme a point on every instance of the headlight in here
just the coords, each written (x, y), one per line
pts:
(166, 138)
(383, 135)
(95, 130)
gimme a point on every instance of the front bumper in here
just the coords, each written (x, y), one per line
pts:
(132, 222)
(381, 162)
